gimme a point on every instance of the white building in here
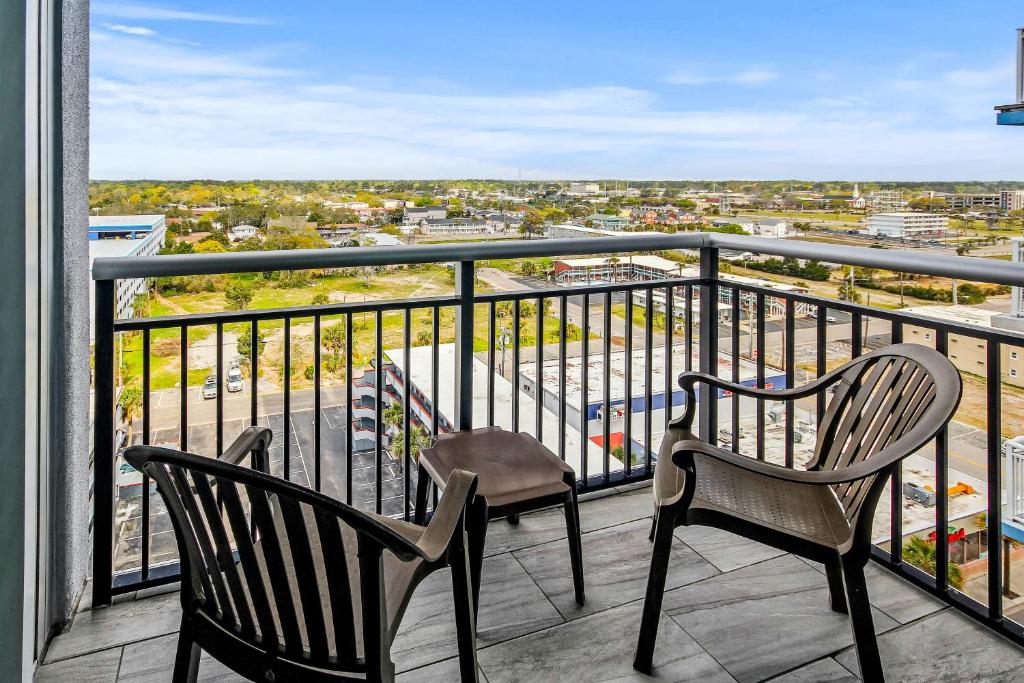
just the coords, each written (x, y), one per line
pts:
(145, 243)
(885, 200)
(569, 231)
(242, 232)
(453, 226)
(907, 225)
(584, 188)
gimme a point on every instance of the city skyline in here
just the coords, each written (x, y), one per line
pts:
(251, 90)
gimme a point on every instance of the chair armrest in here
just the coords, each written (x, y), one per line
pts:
(688, 381)
(255, 440)
(683, 452)
(447, 518)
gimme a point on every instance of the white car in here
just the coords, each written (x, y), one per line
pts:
(210, 387)
(234, 379)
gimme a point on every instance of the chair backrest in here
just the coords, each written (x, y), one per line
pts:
(291, 592)
(895, 398)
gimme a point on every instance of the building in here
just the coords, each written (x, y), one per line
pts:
(969, 354)
(603, 221)
(414, 214)
(975, 201)
(1011, 200)
(584, 188)
(760, 227)
(885, 200)
(242, 232)
(503, 222)
(901, 225)
(453, 226)
(626, 268)
(121, 236)
(125, 227)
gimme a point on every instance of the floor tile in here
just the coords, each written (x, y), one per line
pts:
(616, 509)
(895, 596)
(533, 529)
(764, 619)
(152, 661)
(126, 622)
(825, 670)
(98, 667)
(725, 550)
(511, 605)
(616, 562)
(946, 646)
(598, 648)
(441, 672)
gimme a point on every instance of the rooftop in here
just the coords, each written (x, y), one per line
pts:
(734, 610)
(121, 222)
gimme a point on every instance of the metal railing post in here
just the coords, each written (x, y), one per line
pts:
(464, 289)
(707, 416)
(103, 447)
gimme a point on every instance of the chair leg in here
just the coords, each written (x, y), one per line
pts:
(860, 620)
(186, 660)
(643, 659)
(572, 532)
(465, 612)
(654, 524)
(836, 590)
(422, 486)
(476, 529)
(512, 518)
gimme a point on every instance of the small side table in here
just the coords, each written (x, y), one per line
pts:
(516, 474)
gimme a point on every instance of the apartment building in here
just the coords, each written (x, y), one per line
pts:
(1011, 200)
(969, 354)
(901, 225)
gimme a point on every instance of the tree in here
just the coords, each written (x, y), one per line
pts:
(612, 261)
(245, 344)
(239, 294)
(424, 338)
(209, 246)
(847, 292)
(921, 553)
(333, 340)
(130, 402)
(417, 441)
(528, 267)
(320, 299)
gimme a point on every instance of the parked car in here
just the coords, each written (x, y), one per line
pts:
(234, 379)
(828, 318)
(210, 387)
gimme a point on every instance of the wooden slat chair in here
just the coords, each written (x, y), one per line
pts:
(887, 404)
(313, 590)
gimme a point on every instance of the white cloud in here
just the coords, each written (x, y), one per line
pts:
(751, 76)
(130, 30)
(127, 10)
(174, 111)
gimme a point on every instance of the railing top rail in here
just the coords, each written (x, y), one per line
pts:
(311, 259)
(960, 267)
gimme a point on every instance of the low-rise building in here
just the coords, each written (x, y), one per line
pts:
(626, 268)
(584, 188)
(967, 353)
(415, 214)
(242, 232)
(975, 201)
(603, 221)
(902, 225)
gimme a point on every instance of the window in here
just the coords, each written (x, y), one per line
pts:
(1013, 372)
(1014, 355)
(927, 336)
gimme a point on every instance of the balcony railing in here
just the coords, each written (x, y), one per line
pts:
(597, 385)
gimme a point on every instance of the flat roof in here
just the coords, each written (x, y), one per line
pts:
(647, 260)
(122, 222)
(971, 315)
(617, 366)
(420, 373)
(105, 248)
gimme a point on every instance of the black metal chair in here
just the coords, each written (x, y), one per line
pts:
(296, 586)
(887, 404)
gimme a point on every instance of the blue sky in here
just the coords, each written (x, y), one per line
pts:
(330, 89)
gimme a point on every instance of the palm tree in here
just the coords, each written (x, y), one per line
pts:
(921, 553)
(611, 261)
